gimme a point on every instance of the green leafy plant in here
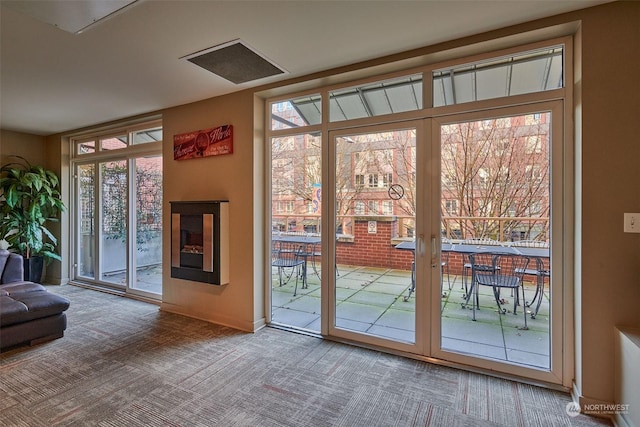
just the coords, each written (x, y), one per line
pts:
(30, 199)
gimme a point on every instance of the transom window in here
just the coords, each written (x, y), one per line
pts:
(118, 141)
(527, 72)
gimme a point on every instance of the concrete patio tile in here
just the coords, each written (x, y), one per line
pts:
(529, 341)
(403, 305)
(315, 326)
(358, 312)
(344, 293)
(344, 268)
(372, 298)
(295, 318)
(352, 325)
(363, 276)
(352, 283)
(509, 320)
(280, 298)
(470, 331)
(393, 333)
(316, 292)
(289, 286)
(398, 319)
(531, 359)
(474, 348)
(398, 273)
(403, 280)
(305, 303)
(484, 314)
(388, 288)
(371, 301)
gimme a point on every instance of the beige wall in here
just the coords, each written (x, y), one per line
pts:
(228, 177)
(607, 289)
(610, 265)
(31, 147)
(42, 151)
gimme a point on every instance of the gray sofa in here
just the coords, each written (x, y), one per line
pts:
(29, 314)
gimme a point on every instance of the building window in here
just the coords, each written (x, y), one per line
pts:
(288, 206)
(451, 207)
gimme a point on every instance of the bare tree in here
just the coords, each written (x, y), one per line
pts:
(494, 174)
(495, 168)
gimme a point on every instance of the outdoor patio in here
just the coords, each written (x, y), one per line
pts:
(370, 300)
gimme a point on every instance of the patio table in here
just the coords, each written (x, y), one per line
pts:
(468, 249)
(302, 239)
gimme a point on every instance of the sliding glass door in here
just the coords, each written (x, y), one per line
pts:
(118, 210)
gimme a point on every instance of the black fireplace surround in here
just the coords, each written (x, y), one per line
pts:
(200, 241)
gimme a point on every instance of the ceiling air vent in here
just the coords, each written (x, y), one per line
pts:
(236, 62)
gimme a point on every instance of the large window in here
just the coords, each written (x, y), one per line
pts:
(414, 184)
(118, 209)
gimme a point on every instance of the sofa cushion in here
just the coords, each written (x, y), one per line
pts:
(21, 287)
(11, 311)
(29, 306)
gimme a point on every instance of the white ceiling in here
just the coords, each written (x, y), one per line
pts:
(53, 81)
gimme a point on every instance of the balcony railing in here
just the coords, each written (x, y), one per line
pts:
(453, 227)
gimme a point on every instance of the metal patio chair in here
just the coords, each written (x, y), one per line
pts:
(541, 272)
(290, 259)
(507, 271)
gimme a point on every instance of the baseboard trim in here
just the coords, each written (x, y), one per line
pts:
(593, 407)
(217, 319)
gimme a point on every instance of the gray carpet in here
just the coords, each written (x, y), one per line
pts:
(124, 363)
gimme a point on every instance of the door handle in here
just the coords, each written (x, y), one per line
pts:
(434, 252)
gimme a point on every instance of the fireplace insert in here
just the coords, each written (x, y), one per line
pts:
(200, 241)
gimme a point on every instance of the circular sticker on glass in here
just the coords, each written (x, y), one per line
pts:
(396, 192)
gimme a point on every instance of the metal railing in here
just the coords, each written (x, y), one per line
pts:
(453, 227)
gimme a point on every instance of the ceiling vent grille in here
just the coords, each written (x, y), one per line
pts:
(236, 62)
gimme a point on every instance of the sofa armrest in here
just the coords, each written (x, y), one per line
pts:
(13, 268)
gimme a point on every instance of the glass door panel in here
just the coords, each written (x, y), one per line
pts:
(296, 195)
(375, 222)
(114, 222)
(86, 221)
(147, 261)
(495, 191)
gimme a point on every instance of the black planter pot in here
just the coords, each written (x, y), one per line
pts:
(33, 268)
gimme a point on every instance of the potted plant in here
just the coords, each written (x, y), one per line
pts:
(30, 199)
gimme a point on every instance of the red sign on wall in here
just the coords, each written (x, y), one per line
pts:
(203, 143)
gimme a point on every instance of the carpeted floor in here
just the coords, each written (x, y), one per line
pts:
(124, 363)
